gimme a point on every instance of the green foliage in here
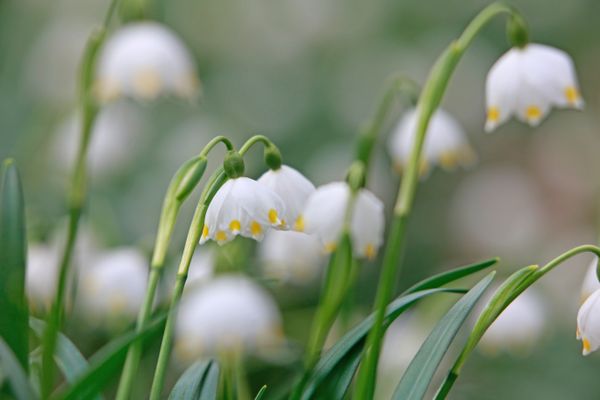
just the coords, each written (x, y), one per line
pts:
(15, 374)
(198, 382)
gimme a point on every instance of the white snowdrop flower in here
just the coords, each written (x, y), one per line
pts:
(112, 288)
(144, 60)
(230, 313)
(242, 206)
(590, 282)
(324, 217)
(290, 256)
(294, 189)
(445, 143)
(588, 323)
(518, 327)
(41, 275)
(527, 82)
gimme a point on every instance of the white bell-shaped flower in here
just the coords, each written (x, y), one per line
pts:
(590, 282)
(527, 82)
(294, 189)
(324, 217)
(228, 314)
(445, 143)
(42, 273)
(242, 206)
(291, 257)
(588, 323)
(112, 288)
(518, 327)
(144, 60)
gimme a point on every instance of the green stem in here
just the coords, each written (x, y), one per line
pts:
(429, 101)
(516, 284)
(170, 211)
(195, 230)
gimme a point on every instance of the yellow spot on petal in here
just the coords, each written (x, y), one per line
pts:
(449, 159)
(587, 347)
(299, 224)
(493, 114)
(370, 251)
(205, 231)
(273, 218)
(147, 83)
(106, 90)
(572, 94)
(330, 247)
(221, 236)
(533, 113)
(235, 226)
(255, 228)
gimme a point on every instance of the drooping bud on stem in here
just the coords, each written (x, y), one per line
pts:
(516, 30)
(272, 157)
(233, 164)
(356, 176)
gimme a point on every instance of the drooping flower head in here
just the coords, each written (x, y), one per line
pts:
(293, 188)
(230, 313)
(324, 217)
(590, 282)
(527, 82)
(242, 206)
(291, 257)
(588, 323)
(144, 60)
(445, 143)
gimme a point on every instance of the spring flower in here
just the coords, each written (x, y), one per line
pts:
(42, 272)
(445, 143)
(113, 287)
(144, 60)
(230, 313)
(518, 327)
(290, 256)
(588, 323)
(590, 282)
(528, 82)
(242, 206)
(324, 217)
(294, 189)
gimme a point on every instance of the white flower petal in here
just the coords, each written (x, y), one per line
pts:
(367, 224)
(588, 323)
(590, 282)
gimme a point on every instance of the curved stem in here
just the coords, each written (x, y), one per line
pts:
(429, 101)
(168, 218)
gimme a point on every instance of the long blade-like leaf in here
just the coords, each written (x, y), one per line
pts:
(416, 379)
(198, 382)
(14, 313)
(15, 374)
(353, 342)
(106, 363)
(261, 393)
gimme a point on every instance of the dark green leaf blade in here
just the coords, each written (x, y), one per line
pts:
(199, 382)
(15, 374)
(416, 379)
(353, 342)
(14, 315)
(261, 393)
(106, 363)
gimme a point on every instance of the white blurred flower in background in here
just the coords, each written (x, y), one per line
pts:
(117, 139)
(201, 269)
(518, 328)
(294, 189)
(42, 274)
(590, 282)
(242, 206)
(445, 144)
(588, 323)
(112, 288)
(527, 82)
(228, 314)
(291, 257)
(324, 217)
(144, 60)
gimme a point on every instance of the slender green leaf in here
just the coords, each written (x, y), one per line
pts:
(198, 382)
(416, 379)
(14, 313)
(14, 374)
(68, 357)
(106, 363)
(261, 393)
(352, 343)
(449, 276)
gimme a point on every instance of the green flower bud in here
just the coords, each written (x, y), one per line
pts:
(272, 157)
(233, 164)
(517, 31)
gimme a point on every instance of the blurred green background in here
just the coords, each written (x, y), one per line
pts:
(307, 73)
